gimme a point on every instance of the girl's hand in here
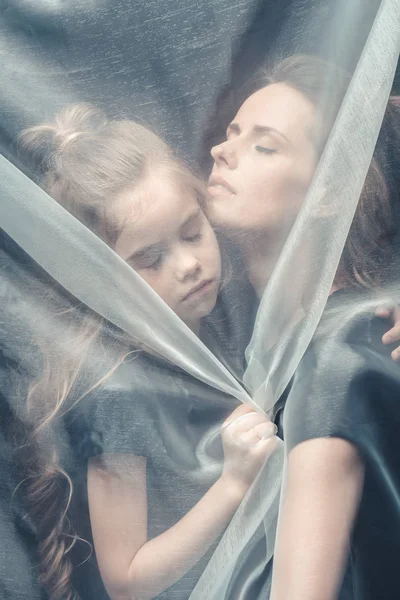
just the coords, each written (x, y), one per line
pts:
(248, 439)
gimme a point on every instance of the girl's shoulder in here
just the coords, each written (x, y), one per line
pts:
(144, 403)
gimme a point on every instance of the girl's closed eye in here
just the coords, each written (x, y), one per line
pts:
(156, 264)
(148, 261)
(195, 237)
(193, 229)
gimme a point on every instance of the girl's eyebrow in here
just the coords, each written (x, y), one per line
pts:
(152, 249)
(193, 217)
(142, 252)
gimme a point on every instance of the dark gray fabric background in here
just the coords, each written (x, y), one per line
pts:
(176, 65)
(170, 63)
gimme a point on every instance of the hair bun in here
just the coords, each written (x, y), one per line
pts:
(42, 146)
(75, 120)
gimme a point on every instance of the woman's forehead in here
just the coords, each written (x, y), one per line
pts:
(279, 107)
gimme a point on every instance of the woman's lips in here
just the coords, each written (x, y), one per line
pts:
(218, 185)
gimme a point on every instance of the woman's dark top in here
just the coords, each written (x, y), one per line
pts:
(348, 386)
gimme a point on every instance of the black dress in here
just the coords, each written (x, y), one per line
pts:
(154, 409)
(19, 572)
(348, 386)
(151, 409)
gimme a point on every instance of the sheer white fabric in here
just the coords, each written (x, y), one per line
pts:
(297, 292)
(289, 314)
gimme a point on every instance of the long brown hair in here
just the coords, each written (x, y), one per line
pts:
(83, 161)
(369, 246)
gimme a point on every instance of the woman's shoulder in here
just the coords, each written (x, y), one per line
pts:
(346, 378)
(348, 339)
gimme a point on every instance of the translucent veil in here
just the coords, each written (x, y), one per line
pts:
(35, 85)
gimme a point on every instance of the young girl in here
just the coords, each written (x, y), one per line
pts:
(158, 497)
(342, 416)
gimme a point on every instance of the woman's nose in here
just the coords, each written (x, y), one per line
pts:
(224, 154)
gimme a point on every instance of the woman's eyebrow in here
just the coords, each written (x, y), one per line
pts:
(260, 130)
(234, 127)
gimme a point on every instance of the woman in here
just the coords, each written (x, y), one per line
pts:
(337, 467)
(120, 434)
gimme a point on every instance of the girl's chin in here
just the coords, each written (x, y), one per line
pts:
(200, 311)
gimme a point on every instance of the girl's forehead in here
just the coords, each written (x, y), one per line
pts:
(153, 214)
(158, 193)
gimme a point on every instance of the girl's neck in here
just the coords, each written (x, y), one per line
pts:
(195, 327)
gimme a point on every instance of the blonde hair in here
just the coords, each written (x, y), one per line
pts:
(83, 161)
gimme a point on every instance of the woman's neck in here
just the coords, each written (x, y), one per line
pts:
(260, 256)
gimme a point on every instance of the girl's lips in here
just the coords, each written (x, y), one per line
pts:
(199, 289)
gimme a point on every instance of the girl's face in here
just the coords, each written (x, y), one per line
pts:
(263, 170)
(168, 240)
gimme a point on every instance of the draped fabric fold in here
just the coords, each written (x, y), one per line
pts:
(98, 365)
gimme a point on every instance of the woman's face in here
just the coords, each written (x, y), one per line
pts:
(262, 172)
(168, 240)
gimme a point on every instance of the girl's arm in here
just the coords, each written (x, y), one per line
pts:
(133, 567)
(324, 484)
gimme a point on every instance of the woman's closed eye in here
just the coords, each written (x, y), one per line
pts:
(266, 150)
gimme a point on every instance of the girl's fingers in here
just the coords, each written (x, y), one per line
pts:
(262, 431)
(266, 430)
(248, 422)
(241, 410)
(267, 446)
